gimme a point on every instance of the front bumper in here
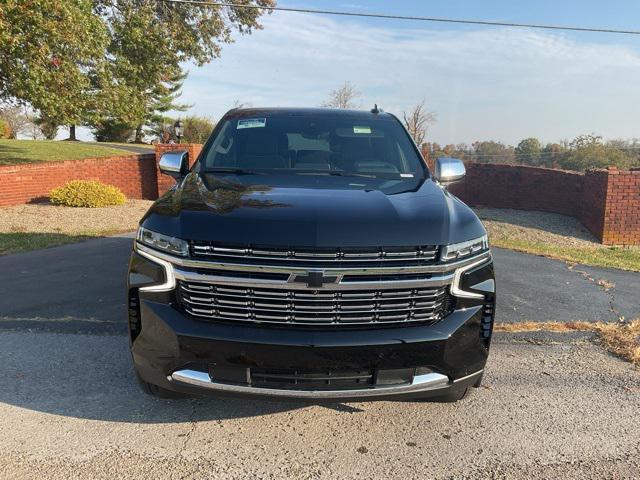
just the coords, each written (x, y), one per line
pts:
(177, 352)
(433, 383)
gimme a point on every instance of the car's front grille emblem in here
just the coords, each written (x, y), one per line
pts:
(314, 278)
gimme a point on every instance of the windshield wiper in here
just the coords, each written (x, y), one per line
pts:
(339, 173)
(237, 171)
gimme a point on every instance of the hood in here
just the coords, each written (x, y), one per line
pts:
(212, 209)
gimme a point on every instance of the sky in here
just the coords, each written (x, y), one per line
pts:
(483, 83)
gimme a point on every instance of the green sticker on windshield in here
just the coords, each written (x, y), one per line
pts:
(252, 123)
(364, 130)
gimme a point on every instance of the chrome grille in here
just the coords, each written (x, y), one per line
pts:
(313, 308)
(318, 258)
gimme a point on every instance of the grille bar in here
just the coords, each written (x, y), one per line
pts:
(329, 257)
(271, 306)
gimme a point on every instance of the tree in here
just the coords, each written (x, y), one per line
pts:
(16, 119)
(493, 152)
(528, 151)
(343, 97)
(91, 61)
(197, 129)
(151, 40)
(417, 122)
(462, 151)
(238, 104)
(52, 57)
(5, 129)
(552, 155)
(113, 130)
(48, 127)
(588, 151)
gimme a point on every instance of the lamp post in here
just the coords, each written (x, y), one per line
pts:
(178, 129)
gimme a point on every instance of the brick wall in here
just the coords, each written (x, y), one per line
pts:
(133, 174)
(607, 202)
(521, 188)
(593, 201)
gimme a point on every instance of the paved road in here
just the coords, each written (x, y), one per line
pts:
(69, 408)
(552, 406)
(80, 288)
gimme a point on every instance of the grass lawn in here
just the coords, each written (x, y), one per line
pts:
(554, 236)
(24, 241)
(14, 152)
(29, 227)
(612, 257)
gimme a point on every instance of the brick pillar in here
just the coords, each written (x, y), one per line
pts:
(165, 182)
(621, 225)
(611, 205)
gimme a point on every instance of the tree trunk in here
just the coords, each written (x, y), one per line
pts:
(72, 133)
(138, 138)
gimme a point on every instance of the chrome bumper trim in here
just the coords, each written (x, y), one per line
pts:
(434, 281)
(288, 270)
(421, 383)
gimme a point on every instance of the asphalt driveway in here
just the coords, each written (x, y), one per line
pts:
(80, 288)
(70, 408)
(551, 405)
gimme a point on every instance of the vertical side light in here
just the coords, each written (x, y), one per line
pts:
(456, 290)
(170, 279)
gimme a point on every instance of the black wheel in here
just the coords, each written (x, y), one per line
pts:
(159, 392)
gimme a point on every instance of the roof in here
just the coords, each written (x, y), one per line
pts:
(314, 112)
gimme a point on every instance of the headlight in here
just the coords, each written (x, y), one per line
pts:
(466, 249)
(172, 245)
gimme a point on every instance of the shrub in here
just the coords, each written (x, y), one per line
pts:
(5, 129)
(197, 129)
(113, 131)
(87, 193)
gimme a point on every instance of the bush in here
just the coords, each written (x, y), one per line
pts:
(87, 193)
(5, 129)
(197, 129)
(113, 131)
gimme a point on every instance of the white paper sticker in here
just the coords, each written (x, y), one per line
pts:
(252, 123)
(366, 130)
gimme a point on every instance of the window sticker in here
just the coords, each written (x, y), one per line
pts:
(252, 123)
(366, 130)
(406, 175)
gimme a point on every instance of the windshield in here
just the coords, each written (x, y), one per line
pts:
(309, 145)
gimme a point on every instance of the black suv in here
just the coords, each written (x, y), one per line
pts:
(310, 254)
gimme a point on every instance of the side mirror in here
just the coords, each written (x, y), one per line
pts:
(449, 170)
(174, 164)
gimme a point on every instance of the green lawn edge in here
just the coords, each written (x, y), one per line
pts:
(610, 257)
(18, 242)
(20, 152)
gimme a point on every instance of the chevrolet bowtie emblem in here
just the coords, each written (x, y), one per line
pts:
(313, 279)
